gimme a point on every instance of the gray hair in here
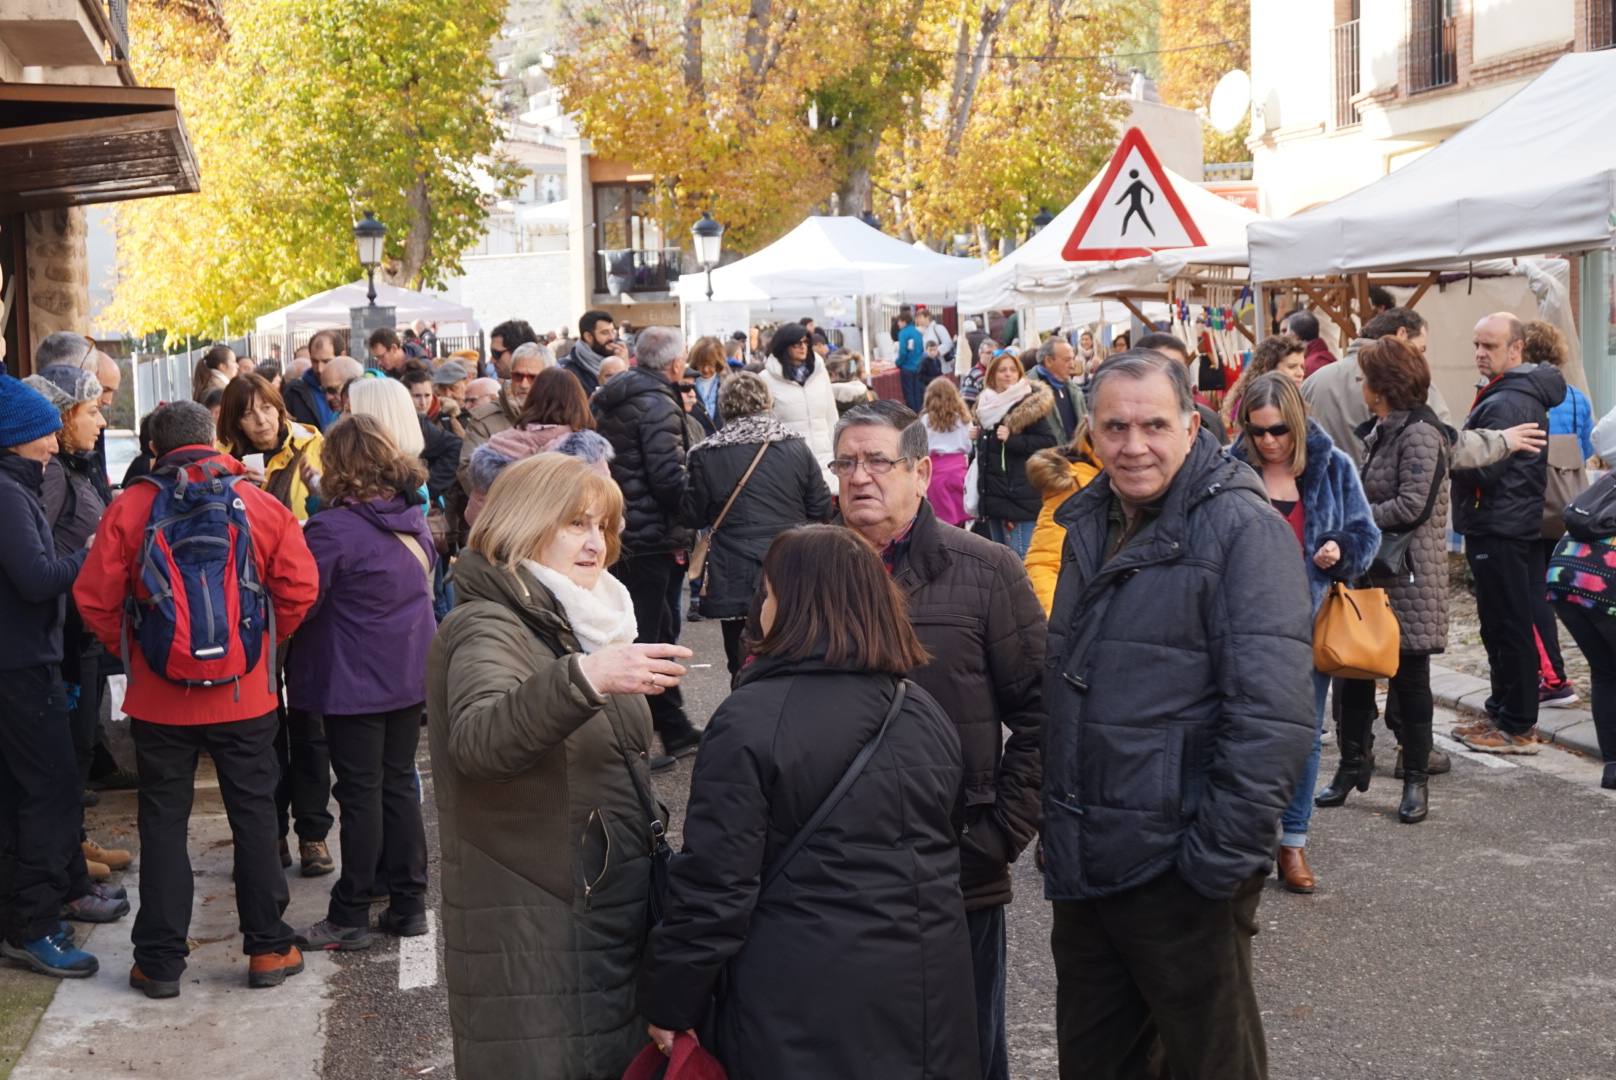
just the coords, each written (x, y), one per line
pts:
(180, 423)
(657, 347)
(912, 442)
(62, 347)
(1137, 364)
(532, 350)
(744, 394)
(1047, 349)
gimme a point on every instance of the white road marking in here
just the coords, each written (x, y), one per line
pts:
(1458, 749)
(418, 957)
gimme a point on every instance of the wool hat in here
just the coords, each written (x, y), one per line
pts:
(65, 386)
(449, 373)
(25, 415)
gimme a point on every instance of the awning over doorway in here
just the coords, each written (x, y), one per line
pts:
(76, 145)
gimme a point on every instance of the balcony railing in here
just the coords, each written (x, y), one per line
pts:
(1433, 47)
(1345, 49)
(1601, 24)
(636, 270)
(118, 19)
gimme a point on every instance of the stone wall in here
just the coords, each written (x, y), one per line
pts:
(58, 272)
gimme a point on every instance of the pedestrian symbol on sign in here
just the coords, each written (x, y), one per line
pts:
(1134, 194)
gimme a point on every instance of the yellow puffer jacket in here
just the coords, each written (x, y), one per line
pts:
(1057, 473)
(297, 498)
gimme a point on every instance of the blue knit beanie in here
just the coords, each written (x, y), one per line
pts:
(25, 415)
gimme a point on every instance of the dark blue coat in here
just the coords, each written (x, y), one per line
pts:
(34, 582)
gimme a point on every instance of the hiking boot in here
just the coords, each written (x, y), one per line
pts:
(1438, 763)
(1474, 727)
(1499, 741)
(108, 892)
(402, 925)
(52, 956)
(98, 871)
(327, 935)
(316, 858)
(112, 858)
(91, 908)
(272, 969)
(286, 854)
(153, 988)
(1558, 696)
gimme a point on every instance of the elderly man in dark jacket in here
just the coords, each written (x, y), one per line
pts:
(975, 612)
(1180, 705)
(640, 414)
(1499, 511)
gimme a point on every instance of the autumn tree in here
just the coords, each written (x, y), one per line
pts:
(302, 113)
(1201, 41)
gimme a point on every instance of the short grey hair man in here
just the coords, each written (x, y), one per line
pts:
(657, 348)
(64, 347)
(180, 423)
(911, 429)
(533, 350)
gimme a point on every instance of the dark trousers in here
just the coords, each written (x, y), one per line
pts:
(1411, 689)
(41, 809)
(374, 757)
(1548, 631)
(734, 645)
(165, 757)
(914, 388)
(1156, 982)
(986, 929)
(84, 717)
(303, 789)
(1595, 634)
(656, 584)
(1502, 569)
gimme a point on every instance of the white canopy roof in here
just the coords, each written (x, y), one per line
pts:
(1538, 173)
(330, 309)
(1035, 273)
(834, 256)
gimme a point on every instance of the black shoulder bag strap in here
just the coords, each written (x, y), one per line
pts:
(1439, 477)
(805, 833)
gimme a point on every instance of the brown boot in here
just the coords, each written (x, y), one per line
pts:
(99, 871)
(1293, 870)
(271, 969)
(113, 858)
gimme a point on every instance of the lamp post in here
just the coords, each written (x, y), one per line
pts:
(368, 235)
(709, 239)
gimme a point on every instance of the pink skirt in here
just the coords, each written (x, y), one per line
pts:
(947, 490)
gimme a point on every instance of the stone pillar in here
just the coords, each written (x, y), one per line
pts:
(58, 273)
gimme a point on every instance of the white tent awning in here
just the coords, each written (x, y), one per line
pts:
(1536, 174)
(329, 310)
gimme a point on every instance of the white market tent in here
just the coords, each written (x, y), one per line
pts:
(833, 257)
(1536, 174)
(330, 310)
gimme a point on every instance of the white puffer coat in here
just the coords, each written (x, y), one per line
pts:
(808, 410)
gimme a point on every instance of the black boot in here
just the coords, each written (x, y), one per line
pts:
(1414, 807)
(1354, 771)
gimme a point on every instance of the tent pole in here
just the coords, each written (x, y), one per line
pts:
(864, 333)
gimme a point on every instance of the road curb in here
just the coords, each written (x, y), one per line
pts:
(1571, 728)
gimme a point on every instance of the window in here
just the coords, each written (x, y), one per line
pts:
(1345, 49)
(1601, 24)
(629, 247)
(1433, 44)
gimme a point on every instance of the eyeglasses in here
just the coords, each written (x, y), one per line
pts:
(875, 466)
(524, 377)
(1277, 431)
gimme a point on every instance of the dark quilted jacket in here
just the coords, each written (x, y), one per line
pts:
(1004, 490)
(1506, 499)
(1179, 688)
(975, 612)
(1408, 452)
(639, 413)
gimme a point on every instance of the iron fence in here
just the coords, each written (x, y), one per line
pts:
(1433, 45)
(1347, 74)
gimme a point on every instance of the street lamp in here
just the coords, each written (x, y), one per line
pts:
(368, 234)
(709, 238)
(1043, 219)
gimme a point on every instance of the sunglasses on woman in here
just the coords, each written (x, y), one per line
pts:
(1277, 431)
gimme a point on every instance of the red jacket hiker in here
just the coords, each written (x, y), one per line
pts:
(285, 567)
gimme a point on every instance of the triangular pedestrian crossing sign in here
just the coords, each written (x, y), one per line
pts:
(1134, 209)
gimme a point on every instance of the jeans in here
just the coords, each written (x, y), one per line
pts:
(1299, 813)
(656, 585)
(1412, 688)
(1156, 981)
(1595, 634)
(986, 929)
(1015, 535)
(41, 807)
(374, 758)
(1505, 581)
(303, 789)
(914, 388)
(165, 757)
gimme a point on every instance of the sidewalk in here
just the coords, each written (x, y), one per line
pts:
(1572, 728)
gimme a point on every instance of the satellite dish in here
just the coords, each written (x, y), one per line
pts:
(1231, 101)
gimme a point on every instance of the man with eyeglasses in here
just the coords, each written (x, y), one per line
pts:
(975, 611)
(387, 352)
(335, 377)
(505, 339)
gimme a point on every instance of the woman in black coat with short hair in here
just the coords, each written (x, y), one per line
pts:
(786, 490)
(848, 958)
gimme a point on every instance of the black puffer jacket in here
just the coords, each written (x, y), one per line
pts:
(785, 491)
(640, 414)
(1506, 499)
(1180, 689)
(975, 611)
(34, 580)
(855, 963)
(1004, 491)
(441, 456)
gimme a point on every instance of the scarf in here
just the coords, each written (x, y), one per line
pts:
(760, 428)
(587, 358)
(993, 406)
(600, 616)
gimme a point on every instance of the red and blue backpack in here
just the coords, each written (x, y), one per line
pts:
(204, 617)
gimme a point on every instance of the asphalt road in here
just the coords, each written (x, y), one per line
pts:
(1478, 945)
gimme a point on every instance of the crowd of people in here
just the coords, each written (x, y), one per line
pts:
(932, 612)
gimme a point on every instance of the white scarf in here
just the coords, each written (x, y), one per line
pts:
(993, 405)
(600, 616)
